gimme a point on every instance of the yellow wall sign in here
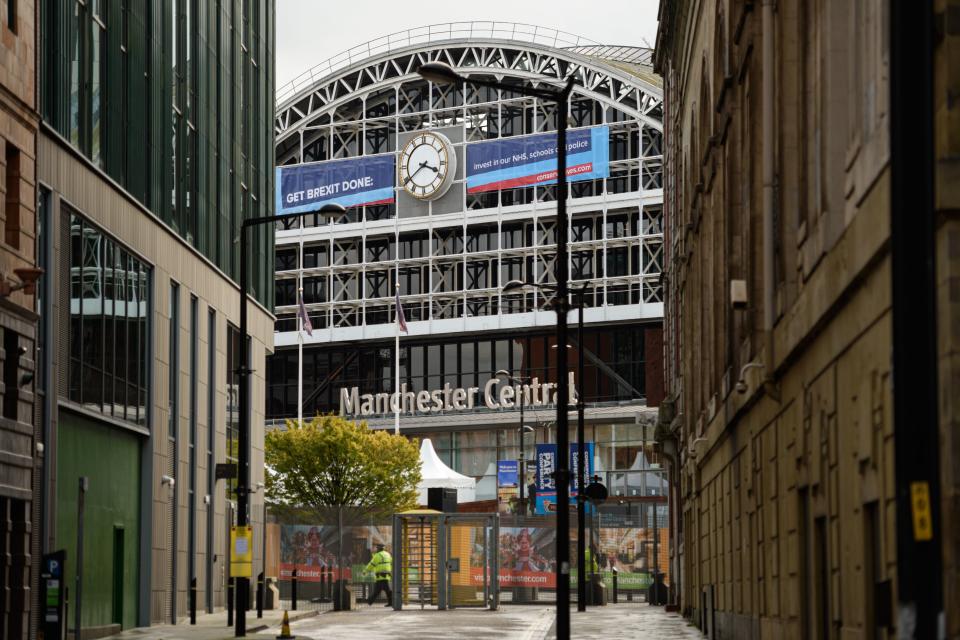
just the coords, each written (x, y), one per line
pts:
(241, 552)
(922, 518)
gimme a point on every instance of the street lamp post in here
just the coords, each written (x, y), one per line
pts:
(442, 73)
(244, 371)
(521, 475)
(581, 447)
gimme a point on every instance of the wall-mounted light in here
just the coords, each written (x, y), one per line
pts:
(28, 281)
(692, 450)
(741, 385)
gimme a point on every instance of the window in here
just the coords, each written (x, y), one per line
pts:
(12, 15)
(11, 225)
(233, 408)
(14, 580)
(108, 324)
(174, 359)
(11, 371)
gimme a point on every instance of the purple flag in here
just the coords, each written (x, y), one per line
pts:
(401, 320)
(302, 315)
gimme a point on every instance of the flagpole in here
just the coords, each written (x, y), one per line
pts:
(300, 333)
(300, 364)
(396, 365)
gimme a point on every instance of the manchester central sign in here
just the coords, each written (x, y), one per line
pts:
(495, 395)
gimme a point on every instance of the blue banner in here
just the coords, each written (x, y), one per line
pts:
(508, 473)
(546, 498)
(351, 182)
(575, 466)
(522, 161)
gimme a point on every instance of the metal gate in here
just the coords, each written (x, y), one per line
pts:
(446, 560)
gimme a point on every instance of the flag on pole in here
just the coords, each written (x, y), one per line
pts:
(401, 320)
(302, 315)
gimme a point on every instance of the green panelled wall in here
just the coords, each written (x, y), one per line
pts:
(110, 458)
(201, 162)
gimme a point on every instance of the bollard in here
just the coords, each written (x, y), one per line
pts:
(193, 601)
(230, 601)
(293, 591)
(616, 586)
(260, 587)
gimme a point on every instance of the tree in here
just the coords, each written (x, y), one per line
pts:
(332, 463)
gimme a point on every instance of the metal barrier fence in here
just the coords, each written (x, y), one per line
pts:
(628, 543)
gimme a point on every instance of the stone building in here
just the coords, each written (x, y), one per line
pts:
(18, 317)
(778, 314)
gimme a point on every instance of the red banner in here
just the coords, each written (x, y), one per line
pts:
(311, 573)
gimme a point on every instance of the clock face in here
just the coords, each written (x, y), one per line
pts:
(427, 165)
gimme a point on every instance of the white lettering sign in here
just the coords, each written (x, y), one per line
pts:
(496, 394)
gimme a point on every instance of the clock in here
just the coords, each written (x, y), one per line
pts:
(427, 165)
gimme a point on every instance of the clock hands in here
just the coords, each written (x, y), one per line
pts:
(419, 169)
(423, 165)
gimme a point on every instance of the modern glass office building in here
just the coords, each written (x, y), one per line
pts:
(452, 242)
(155, 144)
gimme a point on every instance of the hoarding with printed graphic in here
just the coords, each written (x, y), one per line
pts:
(522, 161)
(351, 182)
(546, 498)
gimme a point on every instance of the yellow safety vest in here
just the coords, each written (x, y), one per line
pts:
(381, 563)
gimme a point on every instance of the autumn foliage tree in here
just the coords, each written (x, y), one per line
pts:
(331, 463)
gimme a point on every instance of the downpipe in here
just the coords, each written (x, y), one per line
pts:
(769, 180)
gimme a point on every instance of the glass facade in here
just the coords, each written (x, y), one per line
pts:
(174, 102)
(109, 312)
(625, 455)
(463, 362)
(447, 260)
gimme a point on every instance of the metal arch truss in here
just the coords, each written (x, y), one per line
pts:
(450, 282)
(532, 63)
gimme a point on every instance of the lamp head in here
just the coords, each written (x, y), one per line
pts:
(514, 284)
(29, 276)
(439, 73)
(332, 209)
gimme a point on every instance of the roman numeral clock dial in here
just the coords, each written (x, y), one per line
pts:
(427, 165)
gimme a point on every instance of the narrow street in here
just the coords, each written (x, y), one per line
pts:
(515, 622)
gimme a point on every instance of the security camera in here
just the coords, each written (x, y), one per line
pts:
(168, 480)
(741, 386)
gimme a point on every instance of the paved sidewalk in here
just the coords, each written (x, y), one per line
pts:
(213, 626)
(623, 621)
(516, 622)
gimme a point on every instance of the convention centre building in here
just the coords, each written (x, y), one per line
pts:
(450, 196)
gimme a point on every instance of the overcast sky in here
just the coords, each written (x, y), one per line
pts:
(310, 31)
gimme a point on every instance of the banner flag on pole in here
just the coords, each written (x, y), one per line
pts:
(302, 313)
(401, 320)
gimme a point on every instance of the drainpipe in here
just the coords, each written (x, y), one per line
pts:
(768, 193)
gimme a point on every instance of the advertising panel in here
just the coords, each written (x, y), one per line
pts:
(546, 498)
(526, 557)
(575, 466)
(312, 550)
(508, 487)
(522, 161)
(351, 182)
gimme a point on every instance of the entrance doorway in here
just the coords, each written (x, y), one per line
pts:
(446, 560)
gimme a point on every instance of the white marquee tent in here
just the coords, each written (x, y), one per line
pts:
(434, 473)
